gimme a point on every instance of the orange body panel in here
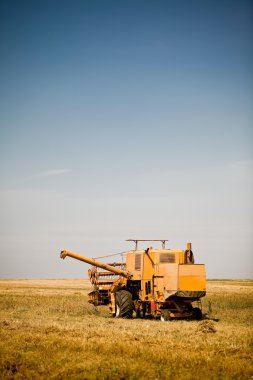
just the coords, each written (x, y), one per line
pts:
(192, 277)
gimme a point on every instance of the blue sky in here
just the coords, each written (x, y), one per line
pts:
(125, 119)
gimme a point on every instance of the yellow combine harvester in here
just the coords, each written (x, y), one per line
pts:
(163, 283)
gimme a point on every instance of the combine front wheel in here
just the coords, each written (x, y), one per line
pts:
(124, 304)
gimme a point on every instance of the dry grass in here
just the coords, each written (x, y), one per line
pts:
(48, 330)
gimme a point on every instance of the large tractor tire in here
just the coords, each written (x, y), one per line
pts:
(124, 304)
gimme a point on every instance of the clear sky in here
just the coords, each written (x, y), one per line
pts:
(123, 119)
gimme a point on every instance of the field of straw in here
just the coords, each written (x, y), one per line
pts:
(48, 330)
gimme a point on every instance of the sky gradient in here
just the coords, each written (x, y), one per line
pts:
(124, 119)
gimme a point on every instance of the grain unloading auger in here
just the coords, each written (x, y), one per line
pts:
(152, 282)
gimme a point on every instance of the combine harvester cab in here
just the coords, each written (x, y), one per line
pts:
(163, 283)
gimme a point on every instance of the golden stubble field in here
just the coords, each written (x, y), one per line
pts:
(48, 330)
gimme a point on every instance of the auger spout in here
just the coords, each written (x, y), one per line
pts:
(96, 263)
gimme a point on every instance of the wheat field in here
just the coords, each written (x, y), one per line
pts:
(48, 330)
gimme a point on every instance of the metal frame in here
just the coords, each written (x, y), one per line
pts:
(137, 240)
